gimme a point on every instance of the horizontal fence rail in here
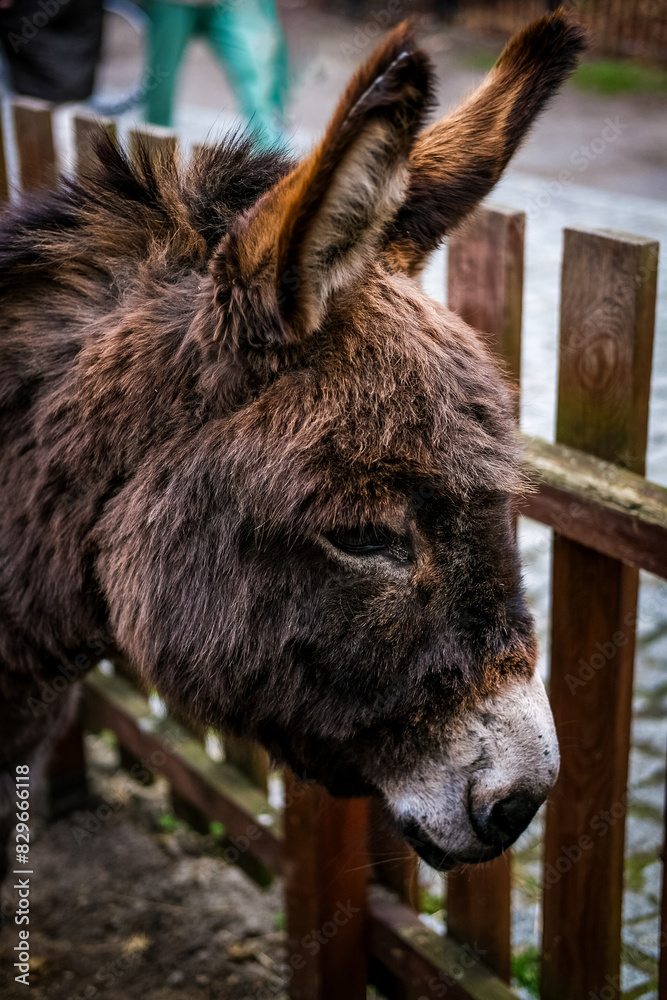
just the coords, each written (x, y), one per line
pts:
(598, 504)
(608, 522)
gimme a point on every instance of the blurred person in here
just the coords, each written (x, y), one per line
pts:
(246, 39)
(51, 47)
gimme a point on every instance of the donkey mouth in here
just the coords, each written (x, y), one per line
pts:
(434, 855)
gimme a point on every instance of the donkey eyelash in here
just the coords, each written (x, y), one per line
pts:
(371, 540)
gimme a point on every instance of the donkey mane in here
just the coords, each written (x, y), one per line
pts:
(124, 208)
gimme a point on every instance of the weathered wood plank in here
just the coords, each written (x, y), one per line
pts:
(608, 302)
(325, 863)
(250, 758)
(217, 789)
(433, 966)
(479, 911)
(485, 280)
(86, 131)
(67, 783)
(33, 127)
(597, 504)
(394, 865)
(485, 287)
(609, 285)
(156, 140)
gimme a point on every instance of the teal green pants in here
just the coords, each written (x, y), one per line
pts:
(247, 40)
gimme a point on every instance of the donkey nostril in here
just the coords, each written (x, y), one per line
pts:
(511, 816)
(506, 820)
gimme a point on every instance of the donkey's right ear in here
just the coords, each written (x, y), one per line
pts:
(457, 160)
(315, 230)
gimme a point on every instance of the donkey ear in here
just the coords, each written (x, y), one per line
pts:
(456, 161)
(314, 231)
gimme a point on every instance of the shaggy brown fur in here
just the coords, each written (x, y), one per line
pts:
(212, 382)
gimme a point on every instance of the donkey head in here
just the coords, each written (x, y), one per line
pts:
(354, 600)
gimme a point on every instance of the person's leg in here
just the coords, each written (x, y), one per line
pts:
(249, 44)
(280, 65)
(171, 25)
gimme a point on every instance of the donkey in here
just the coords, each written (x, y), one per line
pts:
(222, 390)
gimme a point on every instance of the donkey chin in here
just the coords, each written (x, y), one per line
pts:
(474, 800)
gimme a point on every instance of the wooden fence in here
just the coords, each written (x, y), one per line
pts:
(608, 523)
(618, 28)
(636, 28)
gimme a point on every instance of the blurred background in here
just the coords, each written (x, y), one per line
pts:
(200, 67)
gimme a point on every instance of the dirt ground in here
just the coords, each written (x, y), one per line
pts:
(140, 908)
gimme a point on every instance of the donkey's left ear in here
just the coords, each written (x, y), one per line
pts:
(315, 229)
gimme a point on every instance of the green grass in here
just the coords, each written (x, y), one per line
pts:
(483, 60)
(634, 870)
(526, 969)
(615, 76)
(603, 76)
(430, 902)
(169, 823)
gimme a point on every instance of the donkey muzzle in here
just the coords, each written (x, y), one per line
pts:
(472, 802)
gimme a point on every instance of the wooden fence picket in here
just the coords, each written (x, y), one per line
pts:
(85, 131)
(485, 287)
(607, 320)
(325, 863)
(485, 280)
(35, 147)
(395, 865)
(155, 140)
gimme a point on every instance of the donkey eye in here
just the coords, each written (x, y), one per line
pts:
(371, 540)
